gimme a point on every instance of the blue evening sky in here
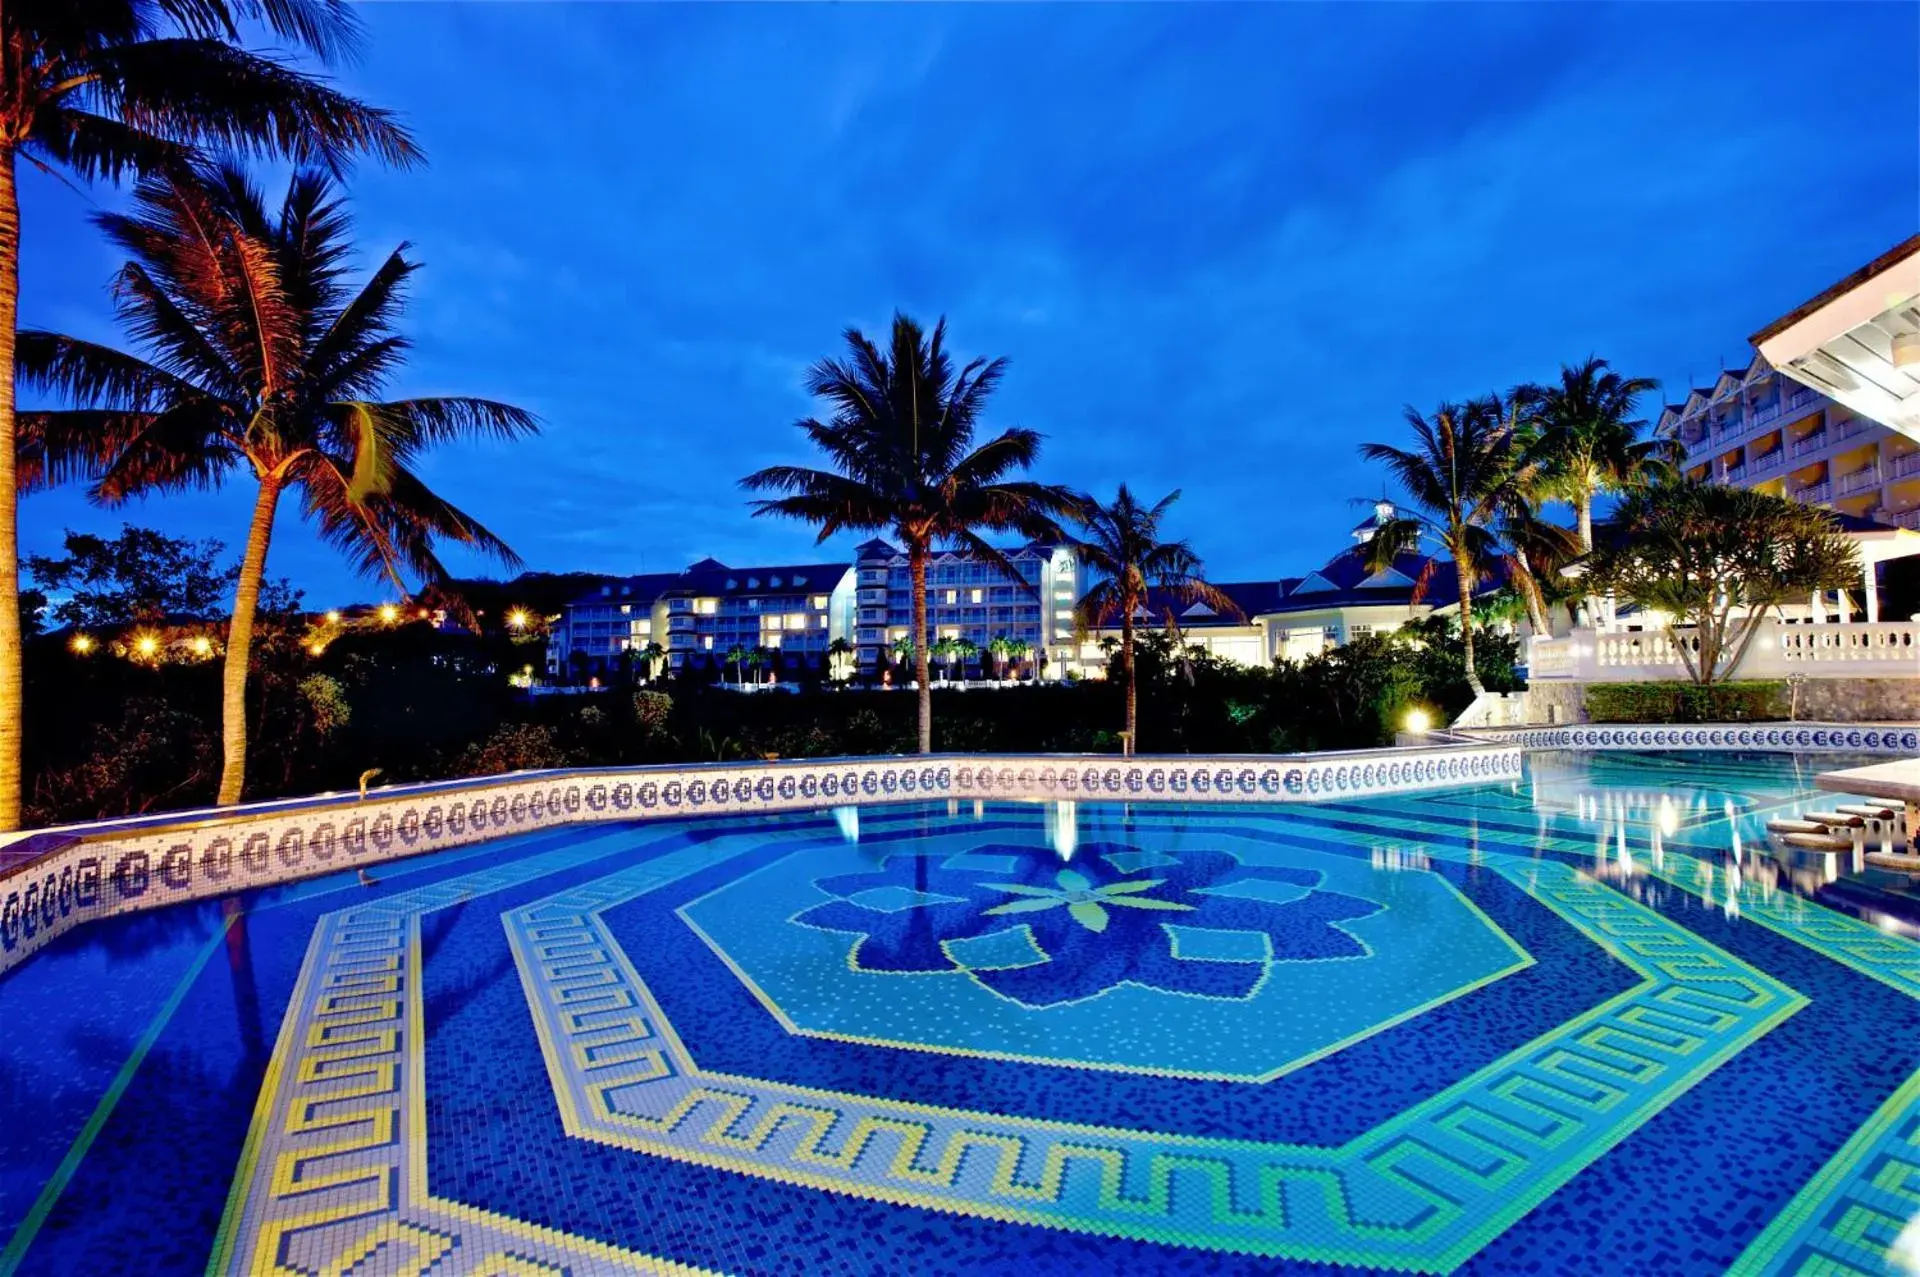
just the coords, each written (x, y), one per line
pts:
(1222, 245)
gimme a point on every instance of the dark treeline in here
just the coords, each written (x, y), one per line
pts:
(115, 736)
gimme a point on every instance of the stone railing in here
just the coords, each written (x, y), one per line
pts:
(55, 879)
(1877, 650)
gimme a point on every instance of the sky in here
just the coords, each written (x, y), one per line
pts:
(1221, 246)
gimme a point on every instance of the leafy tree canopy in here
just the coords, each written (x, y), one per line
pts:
(1718, 560)
(138, 577)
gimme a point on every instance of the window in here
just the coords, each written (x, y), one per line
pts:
(706, 641)
(823, 622)
(798, 620)
(953, 596)
(774, 582)
(773, 640)
(772, 622)
(626, 609)
(819, 600)
(706, 607)
(976, 596)
(753, 583)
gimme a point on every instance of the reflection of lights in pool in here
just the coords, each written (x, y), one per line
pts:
(1063, 828)
(848, 818)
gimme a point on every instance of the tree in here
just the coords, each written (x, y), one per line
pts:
(840, 657)
(653, 656)
(1466, 473)
(260, 359)
(901, 446)
(139, 577)
(944, 649)
(1000, 647)
(113, 87)
(1719, 561)
(1589, 441)
(1120, 545)
(737, 658)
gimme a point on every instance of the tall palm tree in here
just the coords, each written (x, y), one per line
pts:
(840, 656)
(901, 448)
(1120, 545)
(738, 657)
(259, 359)
(1467, 473)
(1590, 441)
(1000, 647)
(109, 87)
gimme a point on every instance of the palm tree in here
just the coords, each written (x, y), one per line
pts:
(260, 359)
(737, 657)
(964, 650)
(1589, 440)
(1121, 546)
(944, 649)
(1467, 474)
(901, 446)
(651, 657)
(840, 655)
(112, 87)
(1001, 646)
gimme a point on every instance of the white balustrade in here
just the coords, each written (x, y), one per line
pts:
(1906, 464)
(1876, 650)
(1809, 443)
(1815, 493)
(1860, 480)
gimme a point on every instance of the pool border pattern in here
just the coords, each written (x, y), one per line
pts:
(96, 871)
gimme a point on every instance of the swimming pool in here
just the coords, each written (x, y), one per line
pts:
(1583, 1022)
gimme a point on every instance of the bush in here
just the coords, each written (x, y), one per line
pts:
(1744, 702)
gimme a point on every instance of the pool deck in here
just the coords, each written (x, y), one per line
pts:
(1899, 780)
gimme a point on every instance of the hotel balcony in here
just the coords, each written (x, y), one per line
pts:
(1859, 481)
(1801, 397)
(1815, 494)
(1763, 413)
(1849, 428)
(1733, 473)
(1902, 518)
(1810, 443)
(1906, 465)
(1767, 462)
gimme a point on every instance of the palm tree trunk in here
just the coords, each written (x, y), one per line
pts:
(10, 652)
(233, 681)
(917, 569)
(1126, 668)
(1584, 507)
(1466, 622)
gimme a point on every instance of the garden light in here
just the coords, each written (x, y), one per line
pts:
(202, 646)
(146, 645)
(80, 644)
(1418, 720)
(517, 618)
(389, 613)
(333, 618)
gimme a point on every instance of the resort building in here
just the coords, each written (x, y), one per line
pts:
(695, 617)
(1828, 412)
(1758, 428)
(971, 598)
(1299, 617)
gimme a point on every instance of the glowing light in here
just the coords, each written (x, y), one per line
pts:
(1418, 720)
(202, 646)
(1669, 816)
(389, 613)
(423, 614)
(333, 618)
(146, 645)
(517, 619)
(316, 649)
(81, 644)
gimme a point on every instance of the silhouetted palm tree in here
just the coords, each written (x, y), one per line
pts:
(1120, 545)
(1590, 442)
(900, 444)
(259, 359)
(102, 88)
(1466, 474)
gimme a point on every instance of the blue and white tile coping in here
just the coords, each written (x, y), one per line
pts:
(53, 880)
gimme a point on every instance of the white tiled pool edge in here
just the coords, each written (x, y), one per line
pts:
(99, 870)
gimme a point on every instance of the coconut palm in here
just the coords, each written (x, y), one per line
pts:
(737, 658)
(1000, 647)
(110, 87)
(1467, 474)
(901, 448)
(965, 650)
(1120, 546)
(840, 657)
(651, 657)
(259, 359)
(1589, 440)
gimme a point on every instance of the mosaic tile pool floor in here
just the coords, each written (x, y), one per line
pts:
(1582, 1024)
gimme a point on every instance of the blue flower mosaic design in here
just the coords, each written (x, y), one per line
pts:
(1044, 933)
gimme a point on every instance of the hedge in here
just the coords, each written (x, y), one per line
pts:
(1743, 702)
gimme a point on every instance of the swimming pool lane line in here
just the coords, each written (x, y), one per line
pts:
(50, 1192)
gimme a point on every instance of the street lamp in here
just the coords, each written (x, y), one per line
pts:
(517, 619)
(80, 644)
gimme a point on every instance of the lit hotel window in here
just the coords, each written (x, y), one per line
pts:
(976, 596)
(819, 602)
(706, 641)
(953, 596)
(705, 607)
(823, 622)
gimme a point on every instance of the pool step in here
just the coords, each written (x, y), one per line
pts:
(1823, 843)
(1895, 862)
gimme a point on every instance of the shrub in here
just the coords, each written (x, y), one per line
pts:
(1743, 702)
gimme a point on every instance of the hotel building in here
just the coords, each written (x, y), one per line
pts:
(1828, 412)
(973, 599)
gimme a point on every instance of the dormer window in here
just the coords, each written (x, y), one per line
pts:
(774, 582)
(753, 583)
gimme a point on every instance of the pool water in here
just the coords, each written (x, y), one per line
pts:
(1584, 1023)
